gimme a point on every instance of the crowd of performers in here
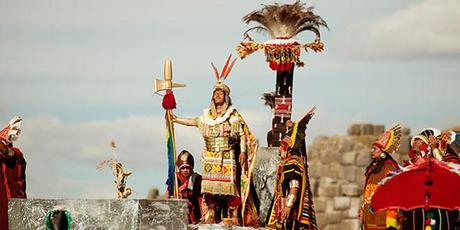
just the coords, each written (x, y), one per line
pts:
(429, 143)
(225, 191)
(12, 169)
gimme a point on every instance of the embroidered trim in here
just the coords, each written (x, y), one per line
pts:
(207, 120)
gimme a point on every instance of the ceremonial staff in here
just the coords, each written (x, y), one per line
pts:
(282, 52)
(169, 103)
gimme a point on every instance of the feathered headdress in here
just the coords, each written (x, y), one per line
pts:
(285, 21)
(10, 133)
(282, 22)
(390, 140)
(220, 77)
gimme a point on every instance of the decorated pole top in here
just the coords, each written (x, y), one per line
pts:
(283, 23)
(282, 51)
(167, 85)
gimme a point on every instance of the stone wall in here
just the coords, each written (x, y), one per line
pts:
(29, 214)
(336, 166)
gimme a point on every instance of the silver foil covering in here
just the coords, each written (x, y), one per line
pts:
(25, 214)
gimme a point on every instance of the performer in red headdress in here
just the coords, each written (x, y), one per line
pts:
(12, 169)
(382, 163)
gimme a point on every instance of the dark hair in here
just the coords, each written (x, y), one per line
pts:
(376, 165)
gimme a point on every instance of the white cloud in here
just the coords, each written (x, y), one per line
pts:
(62, 157)
(426, 28)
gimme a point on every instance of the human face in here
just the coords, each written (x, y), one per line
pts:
(417, 146)
(186, 171)
(445, 136)
(218, 97)
(375, 152)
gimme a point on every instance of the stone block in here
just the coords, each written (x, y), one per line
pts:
(348, 158)
(335, 170)
(341, 203)
(320, 204)
(330, 205)
(321, 220)
(350, 173)
(345, 145)
(314, 186)
(363, 157)
(354, 130)
(360, 177)
(316, 169)
(333, 227)
(332, 190)
(264, 176)
(352, 212)
(350, 224)
(367, 129)
(25, 214)
(334, 217)
(351, 190)
(378, 129)
(326, 155)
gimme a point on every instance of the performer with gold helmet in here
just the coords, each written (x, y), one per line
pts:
(227, 159)
(382, 163)
(189, 185)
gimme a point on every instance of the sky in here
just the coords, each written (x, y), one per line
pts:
(80, 73)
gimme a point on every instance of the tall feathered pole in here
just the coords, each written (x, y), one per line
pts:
(282, 51)
(169, 103)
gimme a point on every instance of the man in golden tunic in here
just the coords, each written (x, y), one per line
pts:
(227, 159)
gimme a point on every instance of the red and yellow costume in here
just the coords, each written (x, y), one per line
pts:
(378, 169)
(433, 218)
(293, 173)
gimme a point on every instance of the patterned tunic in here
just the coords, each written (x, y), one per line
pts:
(373, 177)
(223, 142)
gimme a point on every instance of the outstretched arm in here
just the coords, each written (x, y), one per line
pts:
(184, 121)
(304, 121)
